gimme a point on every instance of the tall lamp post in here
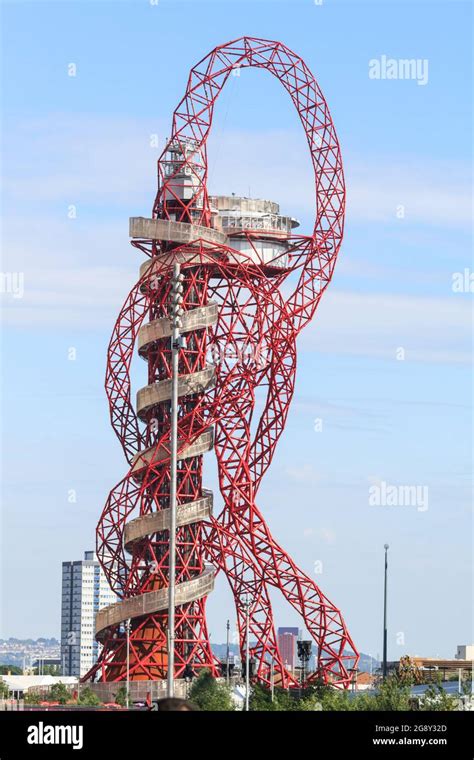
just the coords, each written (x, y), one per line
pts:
(246, 606)
(272, 680)
(247, 654)
(304, 654)
(227, 656)
(384, 666)
(127, 633)
(176, 311)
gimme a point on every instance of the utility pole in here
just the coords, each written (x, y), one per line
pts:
(176, 311)
(127, 631)
(384, 666)
(227, 659)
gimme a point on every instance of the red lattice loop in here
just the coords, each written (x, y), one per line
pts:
(242, 315)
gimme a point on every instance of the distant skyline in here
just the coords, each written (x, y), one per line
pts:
(383, 392)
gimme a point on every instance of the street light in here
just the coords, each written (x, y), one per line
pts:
(188, 675)
(304, 654)
(176, 312)
(127, 631)
(384, 666)
(272, 680)
(246, 606)
(227, 657)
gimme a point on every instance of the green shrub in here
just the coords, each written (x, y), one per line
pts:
(121, 696)
(59, 692)
(210, 695)
(88, 697)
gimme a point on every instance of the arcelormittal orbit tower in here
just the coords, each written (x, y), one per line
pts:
(225, 287)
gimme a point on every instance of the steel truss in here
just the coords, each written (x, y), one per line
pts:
(244, 346)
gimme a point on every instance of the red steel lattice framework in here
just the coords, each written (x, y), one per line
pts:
(239, 331)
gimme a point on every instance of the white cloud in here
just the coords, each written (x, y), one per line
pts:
(75, 275)
(303, 475)
(341, 415)
(88, 298)
(78, 277)
(82, 159)
(78, 271)
(431, 192)
(275, 165)
(326, 535)
(366, 324)
(109, 161)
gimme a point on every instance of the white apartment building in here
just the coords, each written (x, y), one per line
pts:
(465, 652)
(84, 591)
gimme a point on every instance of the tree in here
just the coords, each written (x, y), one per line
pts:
(12, 670)
(59, 692)
(436, 698)
(32, 698)
(121, 696)
(88, 697)
(210, 695)
(408, 671)
(47, 670)
(318, 688)
(311, 703)
(394, 695)
(336, 699)
(466, 687)
(364, 702)
(285, 701)
(261, 699)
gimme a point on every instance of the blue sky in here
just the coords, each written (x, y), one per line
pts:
(85, 141)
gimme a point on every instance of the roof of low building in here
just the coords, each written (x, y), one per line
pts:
(23, 683)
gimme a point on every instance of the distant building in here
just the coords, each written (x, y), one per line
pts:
(364, 681)
(287, 638)
(18, 686)
(465, 652)
(47, 662)
(84, 591)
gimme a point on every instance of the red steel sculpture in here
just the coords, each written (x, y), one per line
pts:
(249, 286)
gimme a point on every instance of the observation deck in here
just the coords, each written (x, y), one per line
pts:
(248, 230)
